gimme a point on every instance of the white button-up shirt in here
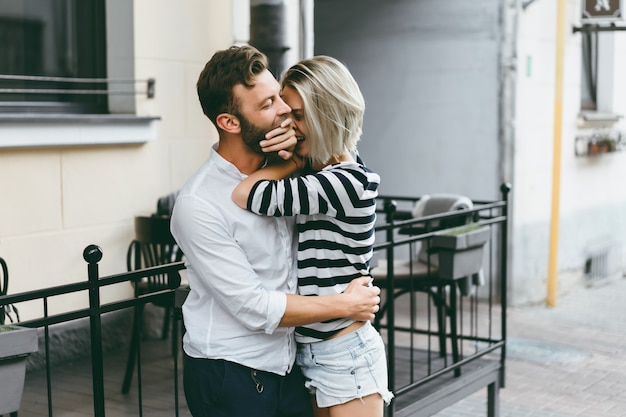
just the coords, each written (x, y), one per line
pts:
(239, 266)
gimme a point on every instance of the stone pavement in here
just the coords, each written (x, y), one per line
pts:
(561, 362)
(564, 361)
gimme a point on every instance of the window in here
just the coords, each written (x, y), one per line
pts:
(598, 81)
(589, 82)
(47, 50)
(48, 47)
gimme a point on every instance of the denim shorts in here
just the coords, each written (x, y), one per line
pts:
(347, 367)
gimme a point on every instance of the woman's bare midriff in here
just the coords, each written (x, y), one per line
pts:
(351, 328)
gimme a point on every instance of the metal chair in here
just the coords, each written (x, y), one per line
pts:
(153, 245)
(4, 284)
(6, 311)
(420, 273)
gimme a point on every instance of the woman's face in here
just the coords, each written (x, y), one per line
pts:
(293, 100)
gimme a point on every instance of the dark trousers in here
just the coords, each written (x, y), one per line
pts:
(218, 388)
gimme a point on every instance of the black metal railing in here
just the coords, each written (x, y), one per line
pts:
(96, 86)
(440, 326)
(91, 290)
(476, 311)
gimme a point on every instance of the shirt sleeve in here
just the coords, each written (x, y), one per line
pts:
(222, 268)
(331, 192)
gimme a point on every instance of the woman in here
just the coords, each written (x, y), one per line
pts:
(343, 360)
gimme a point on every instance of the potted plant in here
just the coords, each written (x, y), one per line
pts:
(16, 343)
(599, 142)
(460, 250)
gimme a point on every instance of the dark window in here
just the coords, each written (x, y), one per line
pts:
(59, 40)
(589, 73)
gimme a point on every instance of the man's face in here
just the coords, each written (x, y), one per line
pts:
(252, 134)
(260, 109)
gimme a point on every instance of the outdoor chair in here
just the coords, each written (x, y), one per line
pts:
(153, 246)
(420, 273)
(6, 311)
(4, 284)
(10, 313)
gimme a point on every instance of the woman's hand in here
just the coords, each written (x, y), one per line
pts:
(281, 140)
(364, 299)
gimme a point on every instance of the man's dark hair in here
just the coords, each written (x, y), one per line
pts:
(227, 68)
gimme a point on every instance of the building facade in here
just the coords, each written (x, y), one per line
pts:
(75, 169)
(460, 98)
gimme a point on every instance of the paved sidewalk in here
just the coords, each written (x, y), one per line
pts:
(564, 361)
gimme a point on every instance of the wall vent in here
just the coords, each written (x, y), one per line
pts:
(604, 262)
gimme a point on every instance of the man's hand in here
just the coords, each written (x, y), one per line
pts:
(281, 140)
(365, 301)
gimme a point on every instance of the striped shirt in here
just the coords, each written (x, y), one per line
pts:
(335, 211)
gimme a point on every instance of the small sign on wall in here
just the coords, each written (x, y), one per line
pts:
(598, 11)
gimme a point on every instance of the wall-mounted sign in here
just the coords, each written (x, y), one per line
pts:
(598, 11)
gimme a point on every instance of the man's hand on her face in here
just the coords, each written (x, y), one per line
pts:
(281, 140)
(365, 299)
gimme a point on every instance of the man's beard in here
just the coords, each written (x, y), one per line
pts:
(252, 135)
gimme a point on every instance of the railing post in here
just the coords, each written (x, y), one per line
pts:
(93, 254)
(505, 189)
(390, 207)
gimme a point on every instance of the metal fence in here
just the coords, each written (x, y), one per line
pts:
(445, 334)
(444, 314)
(91, 290)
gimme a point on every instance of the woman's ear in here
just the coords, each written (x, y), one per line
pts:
(228, 123)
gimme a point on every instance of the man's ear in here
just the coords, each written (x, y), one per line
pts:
(228, 123)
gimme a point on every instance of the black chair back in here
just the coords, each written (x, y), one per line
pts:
(4, 284)
(7, 311)
(153, 245)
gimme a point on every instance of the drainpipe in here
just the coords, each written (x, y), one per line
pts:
(268, 31)
(556, 162)
(509, 16)
(307, 31)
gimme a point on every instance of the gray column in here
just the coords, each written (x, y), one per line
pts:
(268, 31)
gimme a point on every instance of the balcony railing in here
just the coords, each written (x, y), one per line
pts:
(445, 334)
(35, 85)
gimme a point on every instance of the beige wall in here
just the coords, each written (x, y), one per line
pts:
(175, 57)
(55, 201)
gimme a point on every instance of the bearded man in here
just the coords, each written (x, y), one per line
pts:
(239, 346)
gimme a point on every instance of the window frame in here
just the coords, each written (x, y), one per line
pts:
(119, 124)
(89, 23)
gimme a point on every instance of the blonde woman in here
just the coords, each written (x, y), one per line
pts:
(333, 199)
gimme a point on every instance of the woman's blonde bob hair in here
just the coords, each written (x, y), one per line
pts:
(333, 105)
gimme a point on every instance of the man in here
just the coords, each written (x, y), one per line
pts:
(240, 313)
